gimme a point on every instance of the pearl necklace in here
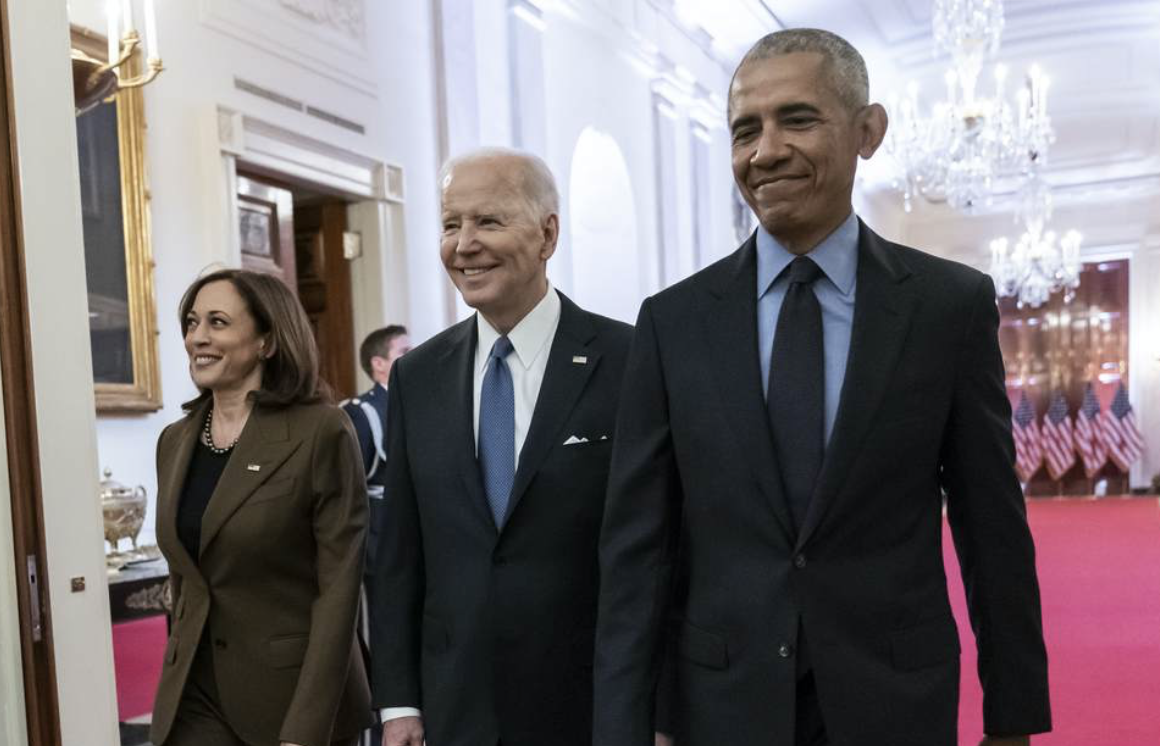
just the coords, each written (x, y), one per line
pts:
(207, 437)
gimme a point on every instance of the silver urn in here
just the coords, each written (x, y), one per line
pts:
(123, 509)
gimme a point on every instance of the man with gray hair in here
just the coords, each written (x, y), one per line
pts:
(774, 516)
(484, 588)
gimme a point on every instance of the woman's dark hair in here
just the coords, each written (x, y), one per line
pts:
(290, 372)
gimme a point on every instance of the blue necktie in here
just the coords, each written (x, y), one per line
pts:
(497, 430)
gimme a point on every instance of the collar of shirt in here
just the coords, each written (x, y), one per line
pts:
(836, 255)
(530, 336)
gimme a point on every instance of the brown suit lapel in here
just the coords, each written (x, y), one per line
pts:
(264, 445)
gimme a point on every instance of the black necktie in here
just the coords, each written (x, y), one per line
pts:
(796, 391)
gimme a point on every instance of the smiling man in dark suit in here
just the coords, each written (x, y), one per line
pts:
(776, 502)
(485, 584)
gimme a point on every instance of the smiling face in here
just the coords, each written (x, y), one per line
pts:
(796, 145)
(495, 244)
(222, 340)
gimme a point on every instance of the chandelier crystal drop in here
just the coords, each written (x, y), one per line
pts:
(955, 153)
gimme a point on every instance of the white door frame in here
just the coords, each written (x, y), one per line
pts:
(376, 189)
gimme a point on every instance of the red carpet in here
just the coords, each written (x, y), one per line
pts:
(138, 648)
(1099, 573)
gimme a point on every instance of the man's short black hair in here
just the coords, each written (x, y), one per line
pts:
(378, 344)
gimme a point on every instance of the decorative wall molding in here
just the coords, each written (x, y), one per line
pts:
(296, 156)
(348, 16)
(326, 37)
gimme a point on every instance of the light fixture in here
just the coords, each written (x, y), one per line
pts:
(955, 154)
(95, 81)
(1036, 266)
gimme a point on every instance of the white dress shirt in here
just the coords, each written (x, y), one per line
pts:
(532, 342)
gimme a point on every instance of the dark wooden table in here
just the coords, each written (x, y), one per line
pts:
(138, 591)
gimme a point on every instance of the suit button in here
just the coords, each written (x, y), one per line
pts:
(785, 650)
(220, 644)
(799, 561)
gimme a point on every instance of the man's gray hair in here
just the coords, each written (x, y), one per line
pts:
(847, 68)
(537, 183)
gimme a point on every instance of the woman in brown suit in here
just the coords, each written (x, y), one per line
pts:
(262, 516)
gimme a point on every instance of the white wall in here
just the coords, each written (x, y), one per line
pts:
(58, 319)
(602, 62)
(384, 82)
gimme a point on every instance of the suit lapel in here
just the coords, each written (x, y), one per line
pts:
(883, 307)
(170, 483)
(564, 380)
(264, 445)
(457, 367)
(731, 330)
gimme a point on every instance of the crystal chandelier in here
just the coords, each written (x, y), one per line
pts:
(955, 154)
(1036, 267)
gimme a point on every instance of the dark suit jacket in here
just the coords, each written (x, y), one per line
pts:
(490, 633)
(275, 588)
(696, 509)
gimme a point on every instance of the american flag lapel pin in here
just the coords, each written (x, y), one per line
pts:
(254, 467)
(579, 359)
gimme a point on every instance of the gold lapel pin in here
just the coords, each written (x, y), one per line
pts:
(253, 467)
(579, 359)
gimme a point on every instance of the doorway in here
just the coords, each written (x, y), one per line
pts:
(298, 233)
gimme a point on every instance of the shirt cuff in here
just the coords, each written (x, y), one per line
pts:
(394, 713)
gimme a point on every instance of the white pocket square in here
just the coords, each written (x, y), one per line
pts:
(576, 440)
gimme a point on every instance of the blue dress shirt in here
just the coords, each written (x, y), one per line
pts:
(837, 256)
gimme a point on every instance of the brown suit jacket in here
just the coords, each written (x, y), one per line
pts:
(281, 557)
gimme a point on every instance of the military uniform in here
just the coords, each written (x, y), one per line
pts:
(368, 413)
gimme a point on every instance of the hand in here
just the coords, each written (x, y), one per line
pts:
(663, 739)
(1006, 741)
(288, 743)
(406, 731)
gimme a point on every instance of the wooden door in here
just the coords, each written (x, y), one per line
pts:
(266, 228)
(324, 289)
(20, 443)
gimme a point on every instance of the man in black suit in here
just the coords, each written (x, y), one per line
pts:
(484, 605)
(790, 418)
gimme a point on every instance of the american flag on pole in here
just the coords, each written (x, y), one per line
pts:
(1089, 433)
(1122, 437)
(1028, 448)
(1057, 437)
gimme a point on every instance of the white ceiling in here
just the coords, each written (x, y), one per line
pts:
(1103, 58)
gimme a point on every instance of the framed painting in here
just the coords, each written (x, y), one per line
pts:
(118, 251)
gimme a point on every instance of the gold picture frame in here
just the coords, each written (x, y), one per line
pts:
(122, 309)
